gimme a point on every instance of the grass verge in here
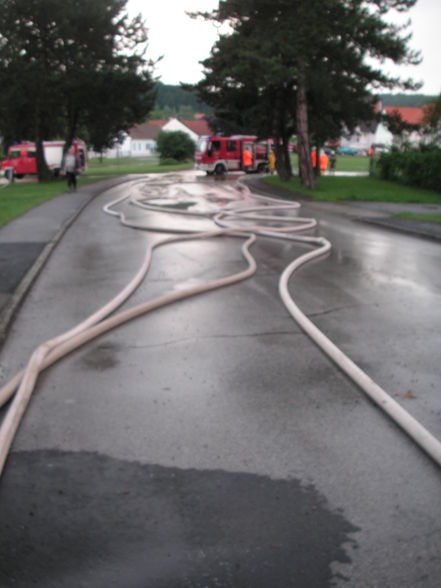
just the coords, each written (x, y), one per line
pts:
(16, 199)
(422, 217)
(127, 165)
(344, 163)
(19, 197)
(358, 188)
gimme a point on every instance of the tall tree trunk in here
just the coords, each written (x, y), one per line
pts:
(317, 170)
(43, 172)
(287, 155)
(72, 128)
(305, 167)
(283, 164)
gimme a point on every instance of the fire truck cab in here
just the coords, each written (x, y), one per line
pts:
(21, 159)
(219, 155)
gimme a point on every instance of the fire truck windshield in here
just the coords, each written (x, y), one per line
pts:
(202, 145)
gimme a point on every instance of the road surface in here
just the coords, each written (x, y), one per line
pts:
(211, 443)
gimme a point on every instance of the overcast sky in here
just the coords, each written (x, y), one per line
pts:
(184, 42)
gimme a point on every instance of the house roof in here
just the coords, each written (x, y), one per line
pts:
(410, 114)
(200, 127)
(147, 130)
(152, 128)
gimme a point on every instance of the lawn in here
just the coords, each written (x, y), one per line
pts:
(15, 199)
(346, 163)
(426, 217)
(18, 197)
(129, 165)
(358, 188)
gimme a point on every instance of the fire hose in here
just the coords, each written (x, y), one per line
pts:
(232, 222)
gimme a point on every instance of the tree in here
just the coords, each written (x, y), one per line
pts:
(117, 100)
(280, 45)
(432, 120)
(175, 145)
(71, 63)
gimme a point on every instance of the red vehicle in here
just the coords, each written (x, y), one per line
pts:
(223, 154)
(21, 158)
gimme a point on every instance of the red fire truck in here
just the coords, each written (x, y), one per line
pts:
(21, 158)
(218, 155)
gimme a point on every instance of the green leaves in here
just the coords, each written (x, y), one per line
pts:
(175, 145)
(277, 47)
(72, 64)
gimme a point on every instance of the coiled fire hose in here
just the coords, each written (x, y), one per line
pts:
(22, 385)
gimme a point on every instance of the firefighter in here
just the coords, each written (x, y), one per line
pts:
(247, 162)
(323, 161)
(271, 161)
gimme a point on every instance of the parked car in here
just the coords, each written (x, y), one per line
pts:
(346, 151)
(380, 148)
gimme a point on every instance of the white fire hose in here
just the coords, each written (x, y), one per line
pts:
(233, 223)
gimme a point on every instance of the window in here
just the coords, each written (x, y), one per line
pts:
(14, 154)
(215, 145)
(231, 145)
(202, 146)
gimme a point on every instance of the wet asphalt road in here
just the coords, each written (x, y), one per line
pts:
(211, 443)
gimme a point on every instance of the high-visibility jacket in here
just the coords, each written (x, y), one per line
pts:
(246, 158)
(271, 161)
(323, 162)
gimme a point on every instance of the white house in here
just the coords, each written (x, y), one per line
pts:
(377, 132)
(141, 139)
(194, 128)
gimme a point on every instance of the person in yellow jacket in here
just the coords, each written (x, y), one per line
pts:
(271, 161)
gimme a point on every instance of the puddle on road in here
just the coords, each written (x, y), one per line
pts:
(171, 204)
(174, 205)
(108, 522)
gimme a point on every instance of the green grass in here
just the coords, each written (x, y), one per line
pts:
(358, 188)
(18, 197)
(426, 217)
(129, 165)
(346, 163)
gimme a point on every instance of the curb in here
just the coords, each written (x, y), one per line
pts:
(7, 313)
(413, 228)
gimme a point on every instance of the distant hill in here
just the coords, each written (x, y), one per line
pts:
(175, 99)
(405, 99)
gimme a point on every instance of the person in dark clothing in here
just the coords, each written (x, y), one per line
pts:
(71, 166)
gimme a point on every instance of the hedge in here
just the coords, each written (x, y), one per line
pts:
(175, 145)
(412, 166)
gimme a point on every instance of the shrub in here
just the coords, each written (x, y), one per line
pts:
(413, 166)
(175, 145)
(168, 161)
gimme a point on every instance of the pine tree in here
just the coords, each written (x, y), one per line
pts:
(281, 55)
